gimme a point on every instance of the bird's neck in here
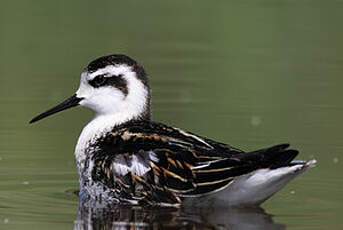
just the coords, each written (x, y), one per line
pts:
(98, 127)
(95, 129)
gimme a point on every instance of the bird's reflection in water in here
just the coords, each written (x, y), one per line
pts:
(92, 216)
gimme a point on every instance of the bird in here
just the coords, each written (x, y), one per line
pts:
(124, 157)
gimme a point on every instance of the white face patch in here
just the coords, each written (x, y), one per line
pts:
(111, 100)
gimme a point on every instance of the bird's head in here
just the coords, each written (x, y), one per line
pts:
(110, 85)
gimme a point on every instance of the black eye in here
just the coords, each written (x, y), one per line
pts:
(98, 81)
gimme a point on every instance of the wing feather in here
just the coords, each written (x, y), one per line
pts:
(146, 160)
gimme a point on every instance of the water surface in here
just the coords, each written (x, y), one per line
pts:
(251, 74)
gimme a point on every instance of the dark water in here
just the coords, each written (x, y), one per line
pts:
(249, 73)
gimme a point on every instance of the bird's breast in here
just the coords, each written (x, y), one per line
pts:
(90, 134)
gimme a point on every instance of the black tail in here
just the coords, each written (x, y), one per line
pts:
(272, 157)
(219, 173)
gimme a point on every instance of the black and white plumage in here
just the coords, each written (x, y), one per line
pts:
(123, 156)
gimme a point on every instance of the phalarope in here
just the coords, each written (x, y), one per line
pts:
(123, 156)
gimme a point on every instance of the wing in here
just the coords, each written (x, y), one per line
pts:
(151, 162)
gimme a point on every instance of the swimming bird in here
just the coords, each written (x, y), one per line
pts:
(124, 157)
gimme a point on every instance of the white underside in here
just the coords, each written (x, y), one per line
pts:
(251, 189)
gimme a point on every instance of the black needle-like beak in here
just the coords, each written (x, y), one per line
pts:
(70, 102)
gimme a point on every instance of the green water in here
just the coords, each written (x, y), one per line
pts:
(249, 73)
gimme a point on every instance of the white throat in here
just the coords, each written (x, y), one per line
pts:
(95, 129)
